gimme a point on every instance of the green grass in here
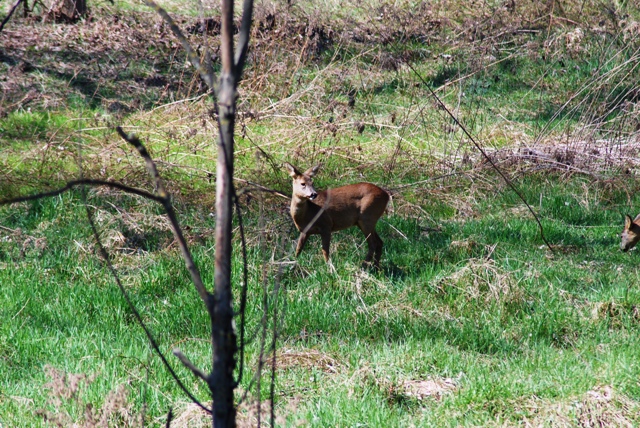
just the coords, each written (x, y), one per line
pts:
(469, 298)
(32, 126)
(509, 324)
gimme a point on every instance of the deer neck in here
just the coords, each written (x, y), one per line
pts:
(299, 207)
(302, 211)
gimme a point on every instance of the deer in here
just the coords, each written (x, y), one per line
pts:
(322, 213)
(630, 234)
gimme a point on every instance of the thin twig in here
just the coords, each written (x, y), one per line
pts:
(21, 309)
(13, 9)
(245, 286)
(263, 188)
(165, 200)
(484, 154)
(184, 360)
(396, 229)
(105, 256)
(262, 326)
(82, 182)
(191, 54)
(415, 183)
(169, 418)
(274, 341)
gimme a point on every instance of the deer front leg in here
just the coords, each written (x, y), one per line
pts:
(301, 241)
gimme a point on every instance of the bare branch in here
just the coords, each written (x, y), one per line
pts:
(154, 344)
(165, 200)
(226, 42)
(208, 77)
(196, 371)
(82, 182)
(151, 166)
(243, 38)
(219, 304)
(13, 9)
(485, 155)
(224, 342)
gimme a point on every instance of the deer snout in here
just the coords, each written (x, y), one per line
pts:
(313, 196)
(626, 246)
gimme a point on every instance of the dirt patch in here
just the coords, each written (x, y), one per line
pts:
(483, 279)
(415, 391)
(256, 413)
(16, 245)
(599, 407)
(190, 415)
(616, 314)
(131, 58)
(69, 391)
(289, 358)
(428, 388)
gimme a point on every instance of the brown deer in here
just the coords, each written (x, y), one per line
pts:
(630, 234)
(321, 213)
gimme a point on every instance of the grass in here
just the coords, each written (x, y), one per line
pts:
(506, 324)
(472, 321)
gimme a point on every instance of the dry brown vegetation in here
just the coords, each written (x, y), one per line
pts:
(68, 406)
(129, 67)
(600, 407)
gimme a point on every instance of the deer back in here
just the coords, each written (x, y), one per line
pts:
(346, 206)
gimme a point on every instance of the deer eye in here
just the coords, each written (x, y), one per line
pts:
(303, 185)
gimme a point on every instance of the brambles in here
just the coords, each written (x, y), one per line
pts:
(68, 405)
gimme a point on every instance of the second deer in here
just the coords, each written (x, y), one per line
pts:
(321, 213)
(630, 234)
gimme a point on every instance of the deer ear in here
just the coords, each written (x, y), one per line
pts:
(627, 222)
(291, 169)
(637, 219)
(313, 171)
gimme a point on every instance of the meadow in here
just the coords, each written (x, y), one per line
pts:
(472, 320)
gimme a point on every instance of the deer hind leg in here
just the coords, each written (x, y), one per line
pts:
(377, 254)
(375, 245)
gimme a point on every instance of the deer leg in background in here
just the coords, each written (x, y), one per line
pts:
(326, 242)
(301, 242)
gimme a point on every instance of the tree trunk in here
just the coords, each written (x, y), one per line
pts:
(224, 337)
(68, 10)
